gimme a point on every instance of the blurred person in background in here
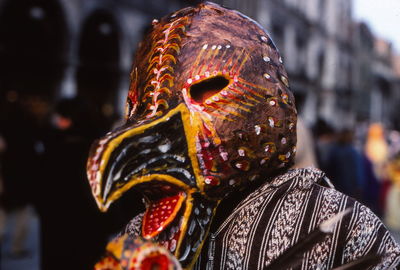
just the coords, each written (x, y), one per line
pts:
(351, 171)
(390, 194)
(324, 135)
(377, 151)
(305, 150)
(394, 143)
(392, 213)
(2, 210)
(376, 148)
(21, 128)
(71, 226)
(344, 165)
(305, 146)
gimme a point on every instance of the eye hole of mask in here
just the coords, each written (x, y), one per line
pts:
(207, 88)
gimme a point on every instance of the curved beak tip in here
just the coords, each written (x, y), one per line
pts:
(101, 205)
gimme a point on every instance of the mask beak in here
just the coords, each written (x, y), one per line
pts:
(159, 160)
(140, 155)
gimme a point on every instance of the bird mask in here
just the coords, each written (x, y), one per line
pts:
(208, 112)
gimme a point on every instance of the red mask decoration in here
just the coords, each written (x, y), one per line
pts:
(126, 253)
(208, 111)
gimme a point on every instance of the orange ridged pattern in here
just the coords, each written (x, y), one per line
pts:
(160, 76)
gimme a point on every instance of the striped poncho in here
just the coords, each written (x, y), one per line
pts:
(284, 211)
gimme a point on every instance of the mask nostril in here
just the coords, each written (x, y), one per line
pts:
(207, 88)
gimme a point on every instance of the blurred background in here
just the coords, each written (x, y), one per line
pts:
(64, 76)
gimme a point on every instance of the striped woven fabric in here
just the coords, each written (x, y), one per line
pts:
(284, 212)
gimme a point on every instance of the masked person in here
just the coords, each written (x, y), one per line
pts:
(209, 139)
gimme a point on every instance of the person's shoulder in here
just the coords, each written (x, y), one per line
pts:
(302, 179)
(294, 180)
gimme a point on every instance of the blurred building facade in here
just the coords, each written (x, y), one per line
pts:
(364, 42)
(338, 70)
(315, 39)
(385, 89)
(56, 48)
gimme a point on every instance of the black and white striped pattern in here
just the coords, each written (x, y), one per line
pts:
(282, 212)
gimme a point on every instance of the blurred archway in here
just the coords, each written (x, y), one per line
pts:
(33, 47)
(98, 73)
